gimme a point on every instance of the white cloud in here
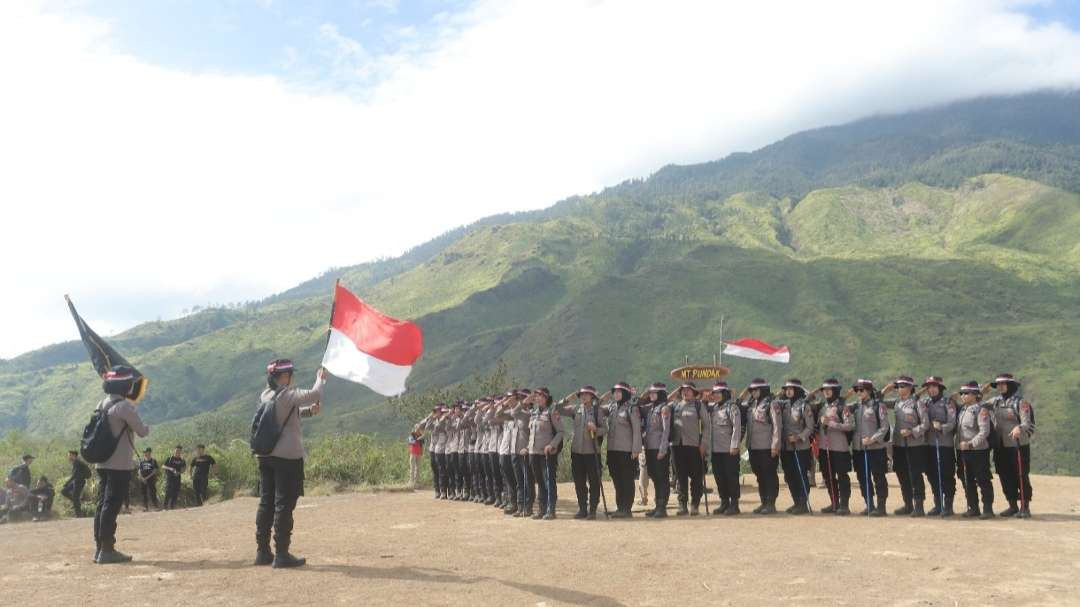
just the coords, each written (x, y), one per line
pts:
(204, 184)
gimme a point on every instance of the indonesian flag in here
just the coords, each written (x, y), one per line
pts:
(370, 348)
(758, 350)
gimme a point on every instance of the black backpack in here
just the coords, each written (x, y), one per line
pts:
(98, 443)
(265, 431)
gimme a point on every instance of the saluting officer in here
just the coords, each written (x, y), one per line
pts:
(798, 426)
(687, 447)
(836, 423)
(657, 438)
(545, 442)
(909, 444)
(722, 435)
(871, 436)
(624, 445)
(941, 410)
(763, 425)
(506, 454)
(1015, 425)
(973, 435)
(590, 427)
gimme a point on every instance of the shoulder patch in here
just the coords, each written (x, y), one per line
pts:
(665, 412)
(984, 413)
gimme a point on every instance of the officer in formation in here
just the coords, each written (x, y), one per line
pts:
(936, 438)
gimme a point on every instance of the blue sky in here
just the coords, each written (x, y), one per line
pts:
(343, 131)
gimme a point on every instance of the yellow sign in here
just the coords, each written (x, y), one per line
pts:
(699, 372)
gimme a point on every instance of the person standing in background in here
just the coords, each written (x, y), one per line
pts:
(201, 467)
(174, 469)
(148, 474)
(74, 486)
(416, 449)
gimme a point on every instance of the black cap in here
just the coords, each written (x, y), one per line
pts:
(27, 457)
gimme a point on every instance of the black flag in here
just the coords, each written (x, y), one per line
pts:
(103, 356)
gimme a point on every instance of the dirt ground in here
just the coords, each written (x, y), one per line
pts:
(399, 548)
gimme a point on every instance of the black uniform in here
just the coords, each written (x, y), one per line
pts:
(172, 480)
(21, 474)
(74, 486)
(200, 475)
(147, 469)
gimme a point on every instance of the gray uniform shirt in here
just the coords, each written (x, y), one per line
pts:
(1009, 414)
(943, 411)
(686, 426)
(582, 441)
(545, 429)
(798, 421)
(506, 438)
(122, 419)
(842, 417)
(657, 427)
(624, 428)
(439, 435)
(974, 427)
(723, 430)
(871, 420)
(763, 424)
(910, 415)
(519, 443)
(291, 443)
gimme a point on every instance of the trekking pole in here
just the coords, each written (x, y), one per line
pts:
(549, 503)
(599, 473)
(802, 479)
(910, 476)
(866, 478)
(940, 477)
(704, 464)
(833, 491)
(1020, 476)
(524, 483)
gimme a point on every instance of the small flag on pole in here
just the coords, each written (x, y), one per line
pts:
(367, 347)
(757, 350)
(103, 356)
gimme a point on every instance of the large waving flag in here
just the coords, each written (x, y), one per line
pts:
(103, 356)
(758, 350)
(370, 348)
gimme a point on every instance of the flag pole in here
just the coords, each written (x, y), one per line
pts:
(721, 339)
(333, 305)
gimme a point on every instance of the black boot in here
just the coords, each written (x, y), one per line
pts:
(905, 510)
(1011, 511)
(108, 555)
(768, 507)
(693, 510)
(988, 512)
(511, 509)
(842, 509)
(724, 503)
(284, 560)
(948, 510)
(1025, 511)
(880, 510)
(829, 509)
(732, 509)
(263, 554)
(660, 512)
(937, 509)
(682, 510)
(918, 511)
(800, 508)
(971, 512)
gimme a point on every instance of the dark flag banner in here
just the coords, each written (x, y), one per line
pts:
(103, 356)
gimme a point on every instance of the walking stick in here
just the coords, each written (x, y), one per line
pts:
(910, 476)
(549, 505)
(1020, 477)
(802, 479)
(599, 473)
(866, 478)
(524, 482)
(940, 477)
(833, 491)
(704, 475)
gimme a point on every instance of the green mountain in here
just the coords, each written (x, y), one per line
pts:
(942, 241)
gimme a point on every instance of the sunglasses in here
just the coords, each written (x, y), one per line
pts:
(857, 390)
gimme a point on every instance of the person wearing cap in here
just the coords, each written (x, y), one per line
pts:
(440, 437)
(281, 473)
(687, 447)
(941, 411)
(174, 469)
(1014, 425)
(202, 465)
(589, 423)
(544, 444)
(910, 453)
(656, 439)
(797, 427)
(471, 472)
(515, 419)
(453, 459)
(148, 475)
(114, 474)
(496, 483)
(973, 441)
(836, 423)
(74, 486)
(871, 435)
(624, 445)
(432, 425)
(723, 431)
(763, 429)
(21, 473)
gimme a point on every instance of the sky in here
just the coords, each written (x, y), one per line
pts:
(160, 155)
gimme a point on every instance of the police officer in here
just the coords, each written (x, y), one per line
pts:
(973, 436)
(201, 467)
(281, 474)
(453, 452)
(492, 464)
(1015, 425)
(545, 442)
(836, 423)
(797, 419)
(688, 450)
(624, 445)
(148, 474)
(763, 426)
(941, 411)
(589, 423)
(657, 439)
(910, 452)
(871, 435)
(427, 425)
(440, 436)
(723, 431)
(174, 468)
(74, 486)
(521, 413)
(506, 454)
(114, 474)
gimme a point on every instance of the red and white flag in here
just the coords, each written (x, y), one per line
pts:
(758, 350)
(370, 348)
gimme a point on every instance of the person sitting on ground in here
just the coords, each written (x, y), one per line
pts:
(41, 500)
(18, 500)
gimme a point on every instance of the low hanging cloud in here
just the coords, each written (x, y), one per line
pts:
(123, 181)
